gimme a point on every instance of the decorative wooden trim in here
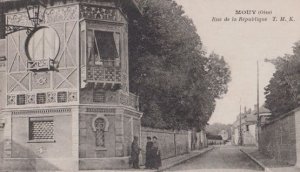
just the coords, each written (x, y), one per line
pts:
(66, 41)
(101, 110)
(131, 113)
(42, 141)
(51, 98)
(65, 78)
(98, 12)
(63, 13)
(18, 82)
(41, 111)
(102, 117)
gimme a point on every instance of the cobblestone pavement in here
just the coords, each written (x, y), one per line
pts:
(221, 159)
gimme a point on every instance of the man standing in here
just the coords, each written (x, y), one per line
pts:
(135, 151)
(149, 157)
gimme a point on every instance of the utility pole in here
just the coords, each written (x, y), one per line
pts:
(241, 132)
(258, 118)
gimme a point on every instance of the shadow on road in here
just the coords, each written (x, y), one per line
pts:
(222, 158)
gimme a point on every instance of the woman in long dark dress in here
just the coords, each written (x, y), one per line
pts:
(156, 154)
(149, 158)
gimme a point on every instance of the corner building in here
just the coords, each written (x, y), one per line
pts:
(66, 104)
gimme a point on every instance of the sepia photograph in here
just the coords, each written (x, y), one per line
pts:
(149, 85)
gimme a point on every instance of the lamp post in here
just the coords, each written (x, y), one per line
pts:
(35, 10)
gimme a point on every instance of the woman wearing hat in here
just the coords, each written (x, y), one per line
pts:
(149, 158)
(156, 153)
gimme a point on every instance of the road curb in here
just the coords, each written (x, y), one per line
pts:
(266, 169)
(185, 159)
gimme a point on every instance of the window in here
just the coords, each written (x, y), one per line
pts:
(100, 127)
(41, 98)
(103, 48)
(41, 128)
(247, 127)
(21, 99)
(62, 97)
(99, 96)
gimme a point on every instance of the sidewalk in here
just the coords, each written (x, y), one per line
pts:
(267, 163)
(167, 163)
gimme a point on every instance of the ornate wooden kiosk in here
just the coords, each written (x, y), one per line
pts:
(68, 105)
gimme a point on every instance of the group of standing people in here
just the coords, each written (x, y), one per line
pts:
(153, 158)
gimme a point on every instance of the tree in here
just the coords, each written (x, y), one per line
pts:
(216, 128)
(169, 71)
(283, 88)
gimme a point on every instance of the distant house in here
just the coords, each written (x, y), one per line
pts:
(246, 122)
(224, 134)
(214, 139)
(264, 114)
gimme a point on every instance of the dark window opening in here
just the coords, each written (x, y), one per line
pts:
(21, 99)
(99, 97)
(105, 48)
(41, 98)
(62, 97)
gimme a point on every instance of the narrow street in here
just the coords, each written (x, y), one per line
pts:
(222, 158)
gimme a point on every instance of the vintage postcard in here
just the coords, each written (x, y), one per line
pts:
(149, 85)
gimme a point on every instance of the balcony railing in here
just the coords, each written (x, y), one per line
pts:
(43, 64)
(104, 72)
(128, 99)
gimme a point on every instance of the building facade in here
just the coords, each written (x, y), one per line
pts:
(246, 122)
(65, 94)
(224, 134)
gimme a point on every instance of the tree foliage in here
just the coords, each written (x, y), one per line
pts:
(176, 83)
(283, 88)
(216, 128)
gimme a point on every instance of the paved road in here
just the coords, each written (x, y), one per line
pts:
(220, 159)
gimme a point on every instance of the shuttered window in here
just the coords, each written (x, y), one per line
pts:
(41, 128)
(98, 97)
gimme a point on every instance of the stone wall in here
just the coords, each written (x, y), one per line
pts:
(39, 155)
(172, 143)
(278, 139)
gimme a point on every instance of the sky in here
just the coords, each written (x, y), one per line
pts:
(244, 43)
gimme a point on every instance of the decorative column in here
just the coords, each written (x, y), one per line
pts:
(75, 138)
(119, 135)
(7, 136)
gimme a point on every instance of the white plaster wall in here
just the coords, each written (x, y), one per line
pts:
(236, 136)
(252, 129)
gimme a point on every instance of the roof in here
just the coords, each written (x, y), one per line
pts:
(213, 137)
(262, 110)
(134, 6)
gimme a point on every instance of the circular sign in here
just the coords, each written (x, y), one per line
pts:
(42, 44)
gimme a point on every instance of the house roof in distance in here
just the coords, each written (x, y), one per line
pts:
(262, 111)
